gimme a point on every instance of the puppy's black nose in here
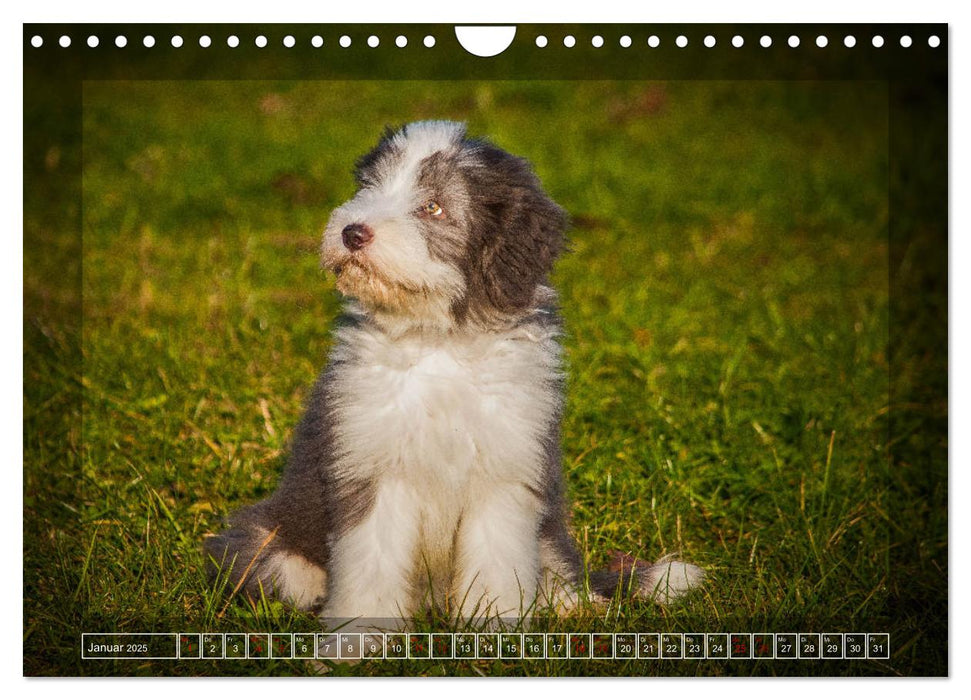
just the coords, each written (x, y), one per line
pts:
(356, 236)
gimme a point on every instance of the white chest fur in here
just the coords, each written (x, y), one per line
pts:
(437, 412)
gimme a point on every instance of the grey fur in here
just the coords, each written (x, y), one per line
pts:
(440, 179)
(516, 231)
(311, 505)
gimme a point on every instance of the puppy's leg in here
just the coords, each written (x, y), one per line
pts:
(562, 575)
(664, 581)
(372, 562)
(668, 579)
(562, 568)
(280, 546)
(257, 555)
(497, 553)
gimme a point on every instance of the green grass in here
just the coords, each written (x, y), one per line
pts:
(727, 312)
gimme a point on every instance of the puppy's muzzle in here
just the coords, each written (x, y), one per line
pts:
(356, 236)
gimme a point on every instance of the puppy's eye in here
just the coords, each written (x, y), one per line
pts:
(432, 209)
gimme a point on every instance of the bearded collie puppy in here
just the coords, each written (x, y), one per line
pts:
(426, 471)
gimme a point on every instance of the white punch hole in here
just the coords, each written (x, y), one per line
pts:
(484, 41)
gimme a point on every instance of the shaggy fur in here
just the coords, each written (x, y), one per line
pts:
(426, 470)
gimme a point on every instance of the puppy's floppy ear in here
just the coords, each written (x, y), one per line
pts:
(517, 231)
